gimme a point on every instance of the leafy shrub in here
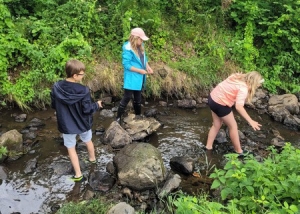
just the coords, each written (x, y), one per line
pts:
(38, 36)
(203, 69)
(35, 51)
(267, 39)
(185, 204)
(271, 186)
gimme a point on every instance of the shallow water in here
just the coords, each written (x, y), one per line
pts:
(183, 133)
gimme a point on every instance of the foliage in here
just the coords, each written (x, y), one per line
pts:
(197, 37)
(271, 186)
(201, 69)
(3, 151)
(92, 206)
(267, 39)
(38, 37)
(26, 65)
(186, 204)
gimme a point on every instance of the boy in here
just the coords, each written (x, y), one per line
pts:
(74, 111)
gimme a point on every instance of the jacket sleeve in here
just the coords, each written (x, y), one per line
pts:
(52, 99)
(89, 107)
(126, 58)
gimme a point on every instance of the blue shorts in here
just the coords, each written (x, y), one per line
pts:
(70, 139)
(218, 109)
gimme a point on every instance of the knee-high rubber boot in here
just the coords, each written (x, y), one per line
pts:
(120, 112)
(137, 108)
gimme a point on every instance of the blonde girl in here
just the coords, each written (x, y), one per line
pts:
(234, 90)
(135, 64)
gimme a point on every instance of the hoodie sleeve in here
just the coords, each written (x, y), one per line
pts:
(52, 99)
(89, 107)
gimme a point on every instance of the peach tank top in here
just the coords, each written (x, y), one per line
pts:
(230, 91)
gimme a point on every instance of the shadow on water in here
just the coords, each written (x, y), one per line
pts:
(183, 133)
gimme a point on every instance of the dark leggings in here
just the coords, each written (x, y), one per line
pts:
(137, 97)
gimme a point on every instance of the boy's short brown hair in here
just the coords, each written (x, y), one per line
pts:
(74, 66)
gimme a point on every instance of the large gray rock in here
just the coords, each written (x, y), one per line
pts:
(13, 141)
(11, 138)
(116, 136)
(289, 101)
(140, 128)
(283, 108)
(140, 166)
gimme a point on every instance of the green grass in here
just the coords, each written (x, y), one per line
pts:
(94, 206)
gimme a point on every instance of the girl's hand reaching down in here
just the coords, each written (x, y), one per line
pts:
(255, 125)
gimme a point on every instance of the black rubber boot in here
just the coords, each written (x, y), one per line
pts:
(137, 108)
(137, 111)
(120, 112)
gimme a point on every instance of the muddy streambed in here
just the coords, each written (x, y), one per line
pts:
(183, 133)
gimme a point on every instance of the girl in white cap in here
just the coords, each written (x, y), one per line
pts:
(135, 64)
(233, 90)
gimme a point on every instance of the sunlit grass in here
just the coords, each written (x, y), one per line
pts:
(105, 77)
(92, 206)
(22, 105)
(174, 83)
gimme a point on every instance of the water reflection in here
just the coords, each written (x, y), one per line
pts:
(180, 136)
(23, 196)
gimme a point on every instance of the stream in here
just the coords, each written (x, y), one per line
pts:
(183, 133)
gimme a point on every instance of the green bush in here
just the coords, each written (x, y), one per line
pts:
(35, 51)
(203, 69)
(38, 37)
(186, 204)
(200, 38)
(266, 38)
(271, 186)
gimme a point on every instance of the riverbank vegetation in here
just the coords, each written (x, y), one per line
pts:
(202, 41)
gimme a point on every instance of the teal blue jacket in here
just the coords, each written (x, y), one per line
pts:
(132, 80)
